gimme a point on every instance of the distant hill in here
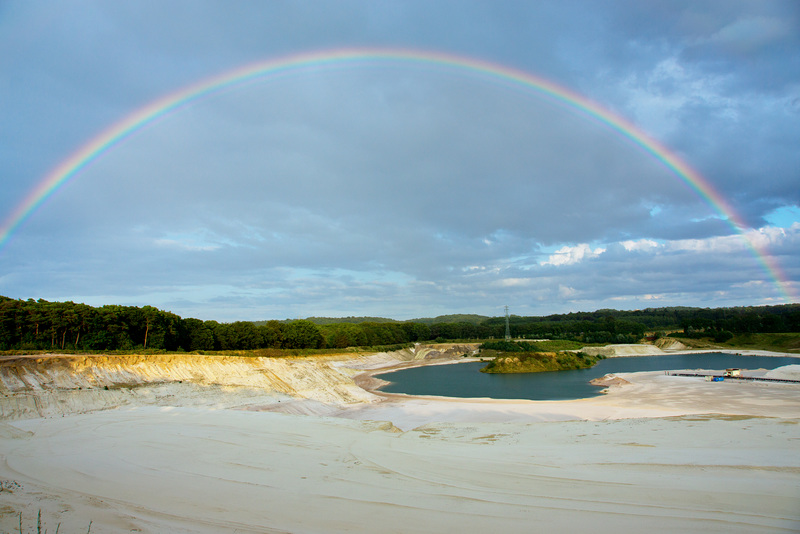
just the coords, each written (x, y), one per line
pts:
(352, 320)
(470, 318)
(785, 317)
(319, 321)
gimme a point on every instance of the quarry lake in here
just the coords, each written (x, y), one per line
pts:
(465, 379)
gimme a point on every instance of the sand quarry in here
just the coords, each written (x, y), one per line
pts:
(213, 444)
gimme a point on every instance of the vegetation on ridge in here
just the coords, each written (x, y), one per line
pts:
(30, 325)
(522, 357)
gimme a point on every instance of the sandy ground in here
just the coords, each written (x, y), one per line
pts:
(661, 454)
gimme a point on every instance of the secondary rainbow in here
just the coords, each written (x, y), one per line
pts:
(129, 125)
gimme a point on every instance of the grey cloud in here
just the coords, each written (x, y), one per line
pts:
(466, 165)
(361, 188)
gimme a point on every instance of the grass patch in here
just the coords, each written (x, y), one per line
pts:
(253, 353)
(555, 345)
(784, 342)
(40, 527)
(789, 342)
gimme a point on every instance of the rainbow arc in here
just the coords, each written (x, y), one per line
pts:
(117, 133)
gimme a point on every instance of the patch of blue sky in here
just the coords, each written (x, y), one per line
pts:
(784, 217)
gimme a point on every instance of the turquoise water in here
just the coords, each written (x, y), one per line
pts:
(465, 379)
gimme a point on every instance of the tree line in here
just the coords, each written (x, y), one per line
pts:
(42, 325)
(617, 326)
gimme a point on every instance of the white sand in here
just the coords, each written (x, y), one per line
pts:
(787, 372)
(625, 462)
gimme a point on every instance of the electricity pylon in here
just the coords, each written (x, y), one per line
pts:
(508, 328)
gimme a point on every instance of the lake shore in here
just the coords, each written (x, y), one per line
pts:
(658, 453)
(644, 394)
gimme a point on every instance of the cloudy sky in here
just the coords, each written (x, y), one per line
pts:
(402, 189)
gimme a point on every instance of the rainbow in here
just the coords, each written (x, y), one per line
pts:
(171, 103)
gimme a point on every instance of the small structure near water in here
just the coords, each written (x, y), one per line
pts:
(736, 374)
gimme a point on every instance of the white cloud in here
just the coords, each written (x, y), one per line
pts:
(761, 239)
(185, 245)
(514, 282)
(567, 292)
(640, 245)
(770, 235)
(570, 255)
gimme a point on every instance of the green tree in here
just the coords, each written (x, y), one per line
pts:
(302, 334)
(149, 317)
(342, 335)
(240, 335)
(199, 334)
(10, 331)
(271, 334)
(416, 331)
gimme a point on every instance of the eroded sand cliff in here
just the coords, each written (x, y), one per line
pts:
(52, 385)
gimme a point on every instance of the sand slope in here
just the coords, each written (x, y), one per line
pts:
(197, 446)
(59, 385)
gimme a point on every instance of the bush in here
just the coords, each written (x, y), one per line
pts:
(722, 336)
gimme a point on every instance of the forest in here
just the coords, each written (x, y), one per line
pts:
(68, 326)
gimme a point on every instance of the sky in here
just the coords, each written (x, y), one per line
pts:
(402, 189)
